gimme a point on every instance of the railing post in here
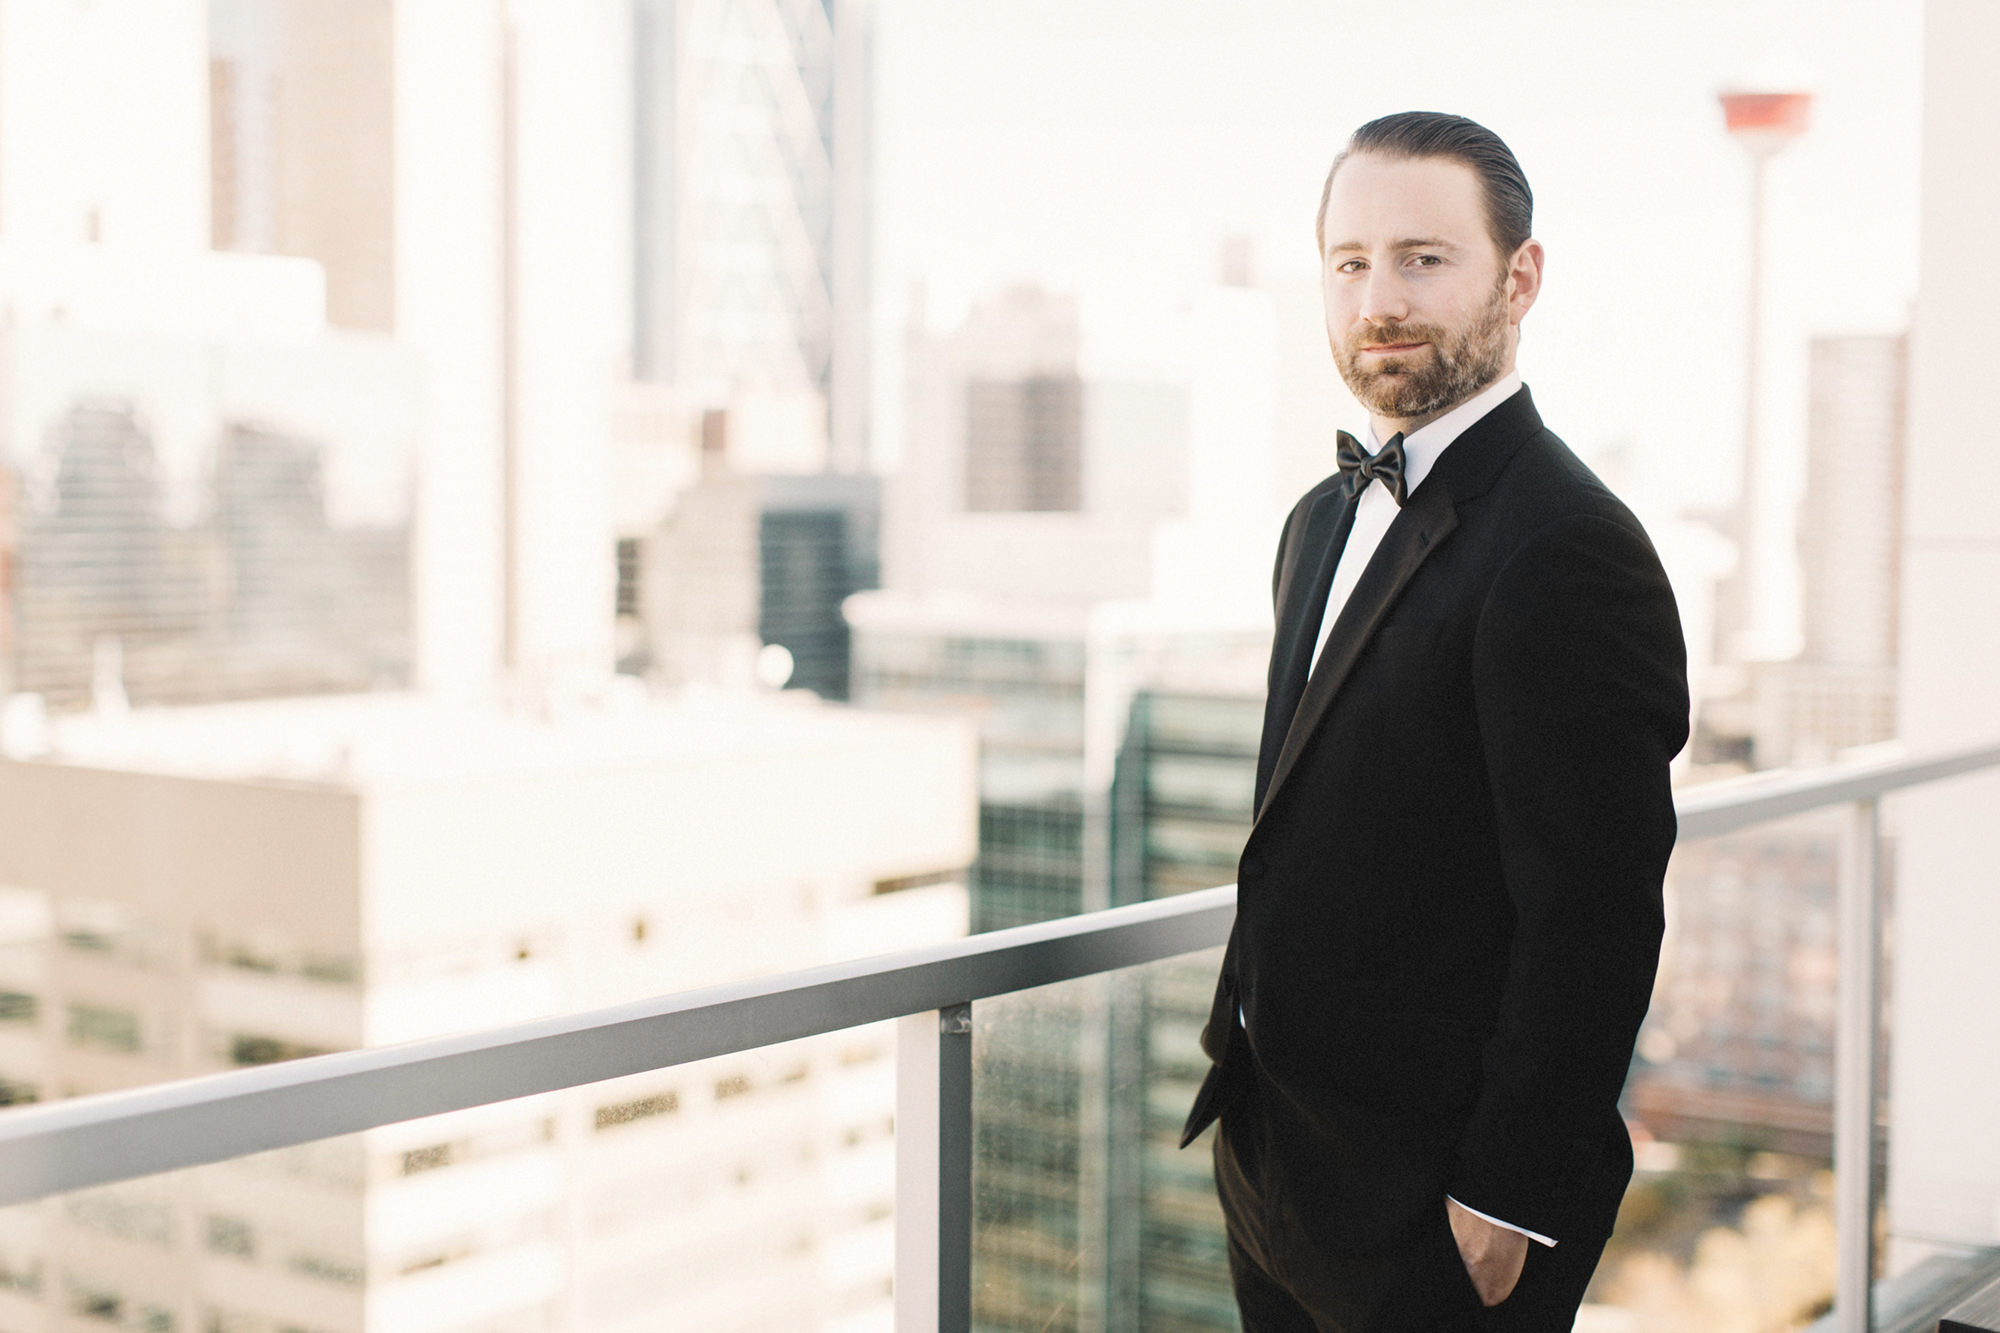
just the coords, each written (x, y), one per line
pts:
(934, 1171)
(1857, 1023)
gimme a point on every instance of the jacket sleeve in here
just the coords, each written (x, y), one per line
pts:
(1580, 681)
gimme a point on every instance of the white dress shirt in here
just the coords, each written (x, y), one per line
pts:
(1373, 516)
(1378, 509)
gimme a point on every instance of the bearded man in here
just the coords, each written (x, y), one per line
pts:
(1449, 908)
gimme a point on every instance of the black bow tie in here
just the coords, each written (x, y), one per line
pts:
(1360, 467)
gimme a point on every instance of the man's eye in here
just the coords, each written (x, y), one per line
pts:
(1426, 261)
(1351, 266)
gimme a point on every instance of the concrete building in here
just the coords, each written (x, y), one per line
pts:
(1739, 1043)
(1850, 539)
(744, 562)
(1839, 692)
(1089, 493)
(1074, 451)
(1181, 809)
(1944, 1159)
(1741, 1035)
(1086, 1219)
(216, 489)
(208, 257)
(460, 173)
(751, 208)
(327, 874)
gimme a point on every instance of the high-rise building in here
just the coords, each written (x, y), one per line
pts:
(749, 561)
(751, 197)
(1024, 444)
(1740, 1039)
(818, 543)
(1840, 690)
(1850, 534)
(1739, 1043)
(1020, 414)
(311, 607)
(348, 872)
(302, 153)
(1070, 451)
(1085, 514)
(1089, 787)
(168, 549)
(257, 593)
(1180, 811)
(457, 170)
(100, 572)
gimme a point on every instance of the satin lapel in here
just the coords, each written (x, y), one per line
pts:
(1301, 602)
(1323, 519)
(1417, 531)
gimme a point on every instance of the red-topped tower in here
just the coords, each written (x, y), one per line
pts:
(1764, 111)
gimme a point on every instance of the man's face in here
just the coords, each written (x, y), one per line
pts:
(1421, 308)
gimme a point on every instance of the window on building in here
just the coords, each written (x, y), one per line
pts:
(22, 1275)
(639, 1108)
(325, 1269)
(231, 1235)
(94, 1301)
(428, 1158)
(250, 1049)
(920, 881)
(1024, 444)
(110, 1029)
(631, 552)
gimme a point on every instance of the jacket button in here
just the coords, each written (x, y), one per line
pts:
(1251, 869)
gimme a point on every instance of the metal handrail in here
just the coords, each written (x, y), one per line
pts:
(1715, 808)
(94, 1140)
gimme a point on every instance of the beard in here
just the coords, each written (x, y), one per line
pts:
(1463, 361)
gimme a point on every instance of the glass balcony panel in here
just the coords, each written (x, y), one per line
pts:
(1731, 1093)
(754, 1191)
(107, 984)
(1086, 1212)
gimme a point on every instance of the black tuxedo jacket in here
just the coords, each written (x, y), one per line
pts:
(1449, 910)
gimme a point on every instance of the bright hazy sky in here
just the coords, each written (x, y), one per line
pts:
(1080, 142)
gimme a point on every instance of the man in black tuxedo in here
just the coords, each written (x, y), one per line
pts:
(1449, 912)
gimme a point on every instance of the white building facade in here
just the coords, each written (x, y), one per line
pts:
(299, 877)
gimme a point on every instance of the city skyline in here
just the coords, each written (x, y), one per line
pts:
(403, 286)
(1116, 160)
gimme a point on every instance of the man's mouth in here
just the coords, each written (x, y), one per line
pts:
(1392, 349)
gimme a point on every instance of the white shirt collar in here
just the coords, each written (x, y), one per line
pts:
(1424, 446)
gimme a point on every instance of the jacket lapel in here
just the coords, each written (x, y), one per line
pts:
(1419, 528)
(1465, 471)
(1325, 516)
(1301, 597)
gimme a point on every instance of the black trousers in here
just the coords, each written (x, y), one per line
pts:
(1418, 1284)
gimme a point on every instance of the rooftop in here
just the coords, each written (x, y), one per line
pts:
(357, 741)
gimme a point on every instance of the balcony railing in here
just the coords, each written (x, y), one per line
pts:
(96, 1140)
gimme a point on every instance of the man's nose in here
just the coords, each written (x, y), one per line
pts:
(1385, 299)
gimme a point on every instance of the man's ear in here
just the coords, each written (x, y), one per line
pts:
(1524, 280)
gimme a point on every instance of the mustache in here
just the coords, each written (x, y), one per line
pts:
(1395, 335)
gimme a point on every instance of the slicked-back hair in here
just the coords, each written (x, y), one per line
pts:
(1510, 204)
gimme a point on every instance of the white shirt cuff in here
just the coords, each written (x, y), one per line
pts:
(1531, 1235)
